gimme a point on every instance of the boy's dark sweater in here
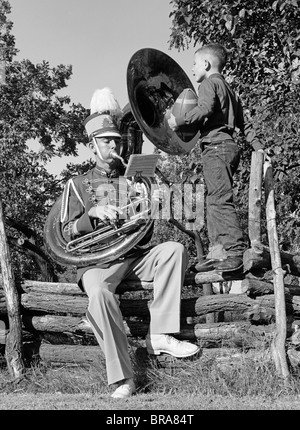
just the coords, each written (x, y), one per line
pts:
(219, 113)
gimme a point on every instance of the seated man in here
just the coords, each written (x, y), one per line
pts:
(87, 201)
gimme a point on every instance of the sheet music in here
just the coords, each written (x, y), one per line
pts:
(141, 164)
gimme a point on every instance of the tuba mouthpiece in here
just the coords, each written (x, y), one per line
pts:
(114, 154)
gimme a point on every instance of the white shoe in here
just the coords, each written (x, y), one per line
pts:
(124, 390)
(162, 343)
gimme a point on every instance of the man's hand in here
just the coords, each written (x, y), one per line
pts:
(105, 212)
(172, 122)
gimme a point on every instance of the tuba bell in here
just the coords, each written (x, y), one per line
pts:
(154, 81)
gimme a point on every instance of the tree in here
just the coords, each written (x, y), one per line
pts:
(263, 39)
(182, 188)
(32, 109)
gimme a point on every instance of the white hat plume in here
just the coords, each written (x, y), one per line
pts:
(104, 101)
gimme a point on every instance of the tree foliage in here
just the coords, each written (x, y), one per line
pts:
(263, 39)
(177, 172)
(32, 109)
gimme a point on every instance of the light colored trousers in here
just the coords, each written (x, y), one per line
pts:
(165, 266)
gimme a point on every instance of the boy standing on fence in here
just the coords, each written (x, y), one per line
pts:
(85, 203)
(218, 114)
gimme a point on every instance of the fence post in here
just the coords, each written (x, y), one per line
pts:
(278, 345)
(255, 193)
(13, 347)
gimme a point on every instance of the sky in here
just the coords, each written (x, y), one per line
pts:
(96, 37)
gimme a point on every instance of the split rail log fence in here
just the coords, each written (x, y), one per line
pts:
(54, 327)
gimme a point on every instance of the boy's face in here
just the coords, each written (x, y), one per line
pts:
(103, 148)
(200, 66)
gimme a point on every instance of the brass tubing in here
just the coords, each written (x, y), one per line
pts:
(114, 154)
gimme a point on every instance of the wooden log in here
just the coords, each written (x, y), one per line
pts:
(92, 355)
(56, 323)
(278, 345)
(290, 263)
(255, 196)
(256, 287)
(77, 305)
(207, 291)
(214, 276)
(233, 354)
(13, 349)
(67, 338)
(294, 357)
(191, 279)
(74, 290)
(29, 286)
(58, 329)
(224, 357)
(54, 303)
(213, 333)
(258, 257)
(260, 310)
(207, 287)
(240, 333)
(295, 338)
(216, 303)
(85, 355)
(76, 354)
(295, 302)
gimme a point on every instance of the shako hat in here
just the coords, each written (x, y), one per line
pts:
(105, 114)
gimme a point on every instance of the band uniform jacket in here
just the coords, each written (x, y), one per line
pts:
(95, 187)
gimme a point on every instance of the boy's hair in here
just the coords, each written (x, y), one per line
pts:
(218, 51)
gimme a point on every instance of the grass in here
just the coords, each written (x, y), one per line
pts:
(207, 382)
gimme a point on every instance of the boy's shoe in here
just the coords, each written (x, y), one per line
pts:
(124, 390)
(162, 343)
(230, 264)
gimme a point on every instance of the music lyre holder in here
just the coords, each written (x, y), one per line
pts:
(138, 176)
(141, 165)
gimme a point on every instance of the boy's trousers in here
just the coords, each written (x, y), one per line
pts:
(220, 161)
(165, 266)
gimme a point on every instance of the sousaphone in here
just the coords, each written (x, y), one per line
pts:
(154, 81)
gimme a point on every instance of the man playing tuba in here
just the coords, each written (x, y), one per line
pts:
(90, 199)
